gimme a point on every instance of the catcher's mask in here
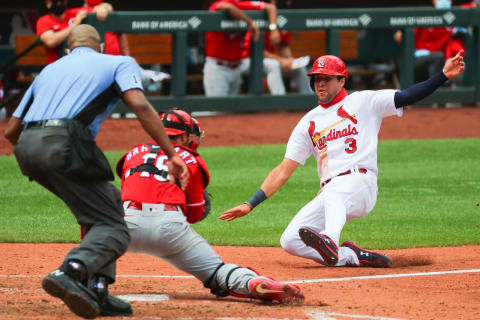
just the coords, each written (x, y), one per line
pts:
(177, 121)
(329, 65)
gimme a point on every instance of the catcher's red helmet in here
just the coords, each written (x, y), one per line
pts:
(177, 121)
(331, 65)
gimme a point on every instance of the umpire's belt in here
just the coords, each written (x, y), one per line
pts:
(47, 123)
(361, 170)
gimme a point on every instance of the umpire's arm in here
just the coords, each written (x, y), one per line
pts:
(13, 130)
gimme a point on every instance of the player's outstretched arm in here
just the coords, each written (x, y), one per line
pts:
(274, 181)
(452, 68)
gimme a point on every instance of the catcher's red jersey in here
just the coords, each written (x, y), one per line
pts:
(147, 187)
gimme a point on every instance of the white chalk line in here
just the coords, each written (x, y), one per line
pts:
(314, 314)
(383, 276)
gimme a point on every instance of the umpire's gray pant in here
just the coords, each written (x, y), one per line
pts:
(95, 204)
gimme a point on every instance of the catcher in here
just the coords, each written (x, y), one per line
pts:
(159, 214)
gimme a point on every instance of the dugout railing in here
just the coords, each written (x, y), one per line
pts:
(180, 23)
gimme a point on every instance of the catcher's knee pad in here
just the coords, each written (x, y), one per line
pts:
(224, 289)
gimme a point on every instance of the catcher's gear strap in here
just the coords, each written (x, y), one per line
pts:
(209, 281)
(150, 166)
(200, 162)
(180, 126)
(207, 207)
(418, 91)
(219, 292)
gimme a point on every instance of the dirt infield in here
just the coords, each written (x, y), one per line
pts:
(429, 283)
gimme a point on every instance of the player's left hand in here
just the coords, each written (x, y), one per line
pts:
(237, 212)
(178, 169)
(454, 66)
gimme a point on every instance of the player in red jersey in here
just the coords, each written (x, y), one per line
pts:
(159, 214)
(278, 60)
(54, 27)
(222, 70)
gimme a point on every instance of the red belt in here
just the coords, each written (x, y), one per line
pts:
(139, 206)
(231, 65)
(361, 170)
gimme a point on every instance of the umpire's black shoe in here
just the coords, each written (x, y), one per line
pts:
(369, 258)
(110, 305)
(64, 283)
(113, 306)
(322, 243)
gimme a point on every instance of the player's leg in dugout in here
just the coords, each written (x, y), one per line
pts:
(168, 235)
(216, 79)
(274, 76)
(341, 200)
(300, 80)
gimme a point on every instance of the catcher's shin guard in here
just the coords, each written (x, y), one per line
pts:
(258, 287)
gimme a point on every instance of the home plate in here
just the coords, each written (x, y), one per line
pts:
(144, 297)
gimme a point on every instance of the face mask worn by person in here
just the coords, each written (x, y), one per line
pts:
(58, 8)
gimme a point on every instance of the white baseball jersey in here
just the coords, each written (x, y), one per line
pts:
(343, 136)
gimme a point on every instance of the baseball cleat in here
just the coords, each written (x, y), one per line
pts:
(369, 258)
(115, 307)
(270, 290)
(78, 298)
(322, 243)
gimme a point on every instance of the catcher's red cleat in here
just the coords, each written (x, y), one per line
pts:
(268, 290)
(369, 258)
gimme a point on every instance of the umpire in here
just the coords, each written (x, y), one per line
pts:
(53, 131)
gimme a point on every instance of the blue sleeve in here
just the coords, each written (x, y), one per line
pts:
(128, 75)
(27, 97)
(419, 91)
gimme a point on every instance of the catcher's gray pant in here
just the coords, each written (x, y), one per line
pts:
(95, 204)
(341, 200)
(168, 235)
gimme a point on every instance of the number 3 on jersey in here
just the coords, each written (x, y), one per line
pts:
(351, 145)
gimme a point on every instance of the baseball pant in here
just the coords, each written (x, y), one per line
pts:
(96, 204)
(341, 200)
(167, 234)
(300, 80)
(427, 66)
(272, 69)
(220, 80)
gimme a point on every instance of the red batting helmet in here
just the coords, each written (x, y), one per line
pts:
(177, 121)
(331, 65)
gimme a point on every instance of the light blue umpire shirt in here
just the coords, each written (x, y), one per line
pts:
(64, 88)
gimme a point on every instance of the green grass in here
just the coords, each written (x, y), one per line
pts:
(429, 192)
